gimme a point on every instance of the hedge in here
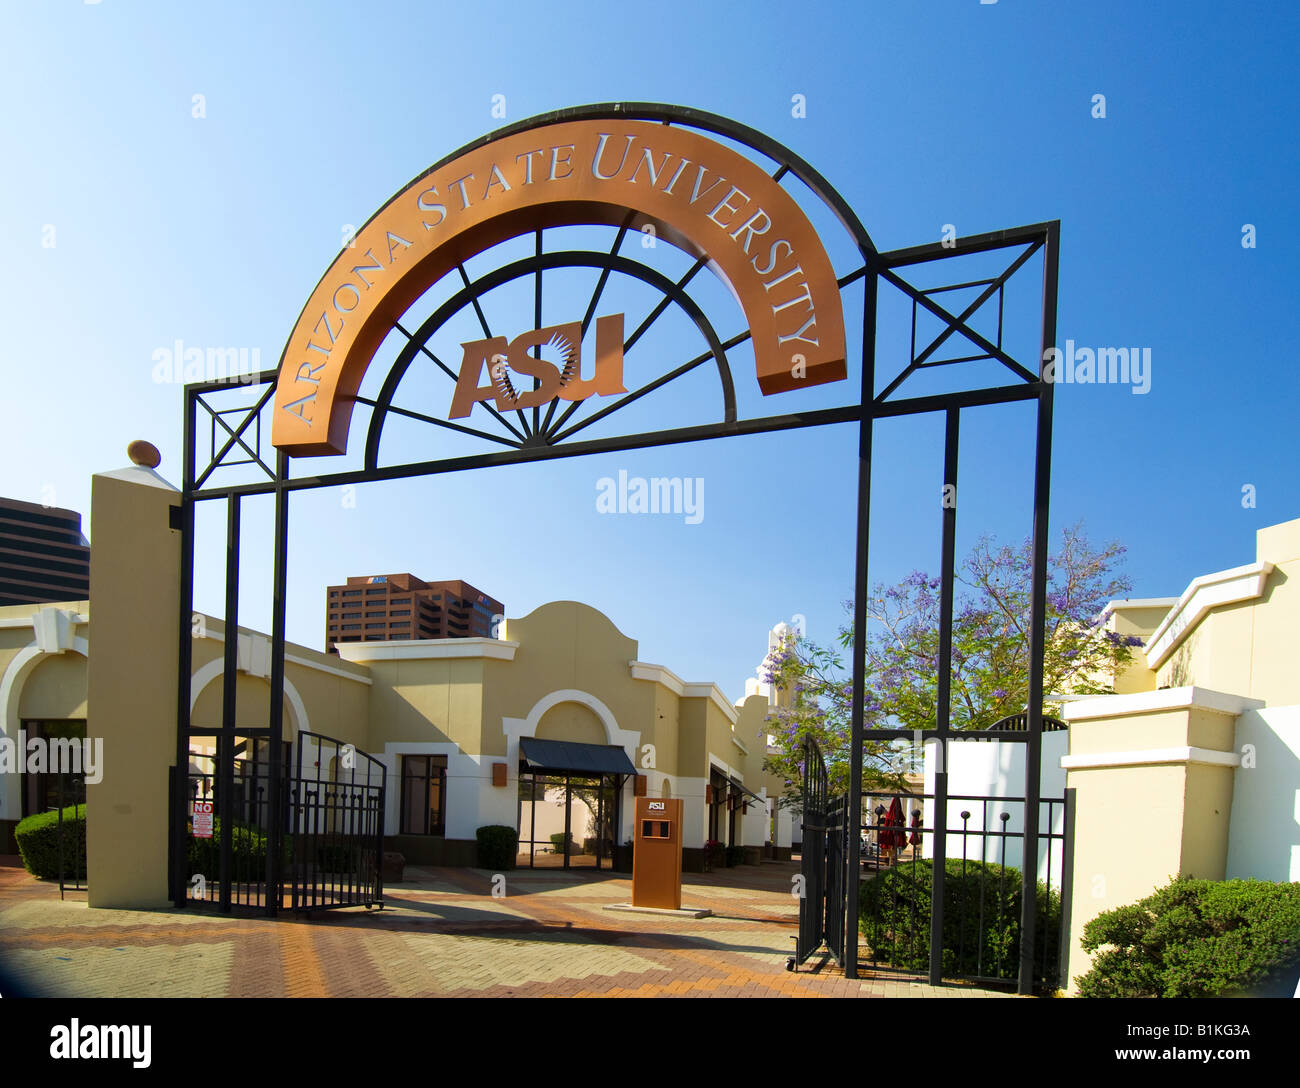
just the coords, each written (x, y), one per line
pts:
(497, 846)
(38, 843)
(1197, 938)
(247, 854)
(895, 920)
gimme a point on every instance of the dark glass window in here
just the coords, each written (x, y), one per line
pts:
(424, 788)
(61, 783)
(352, 593)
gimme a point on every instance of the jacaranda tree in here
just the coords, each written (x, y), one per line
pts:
(990, 654)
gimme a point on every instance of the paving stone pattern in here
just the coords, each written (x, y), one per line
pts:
(441, 934)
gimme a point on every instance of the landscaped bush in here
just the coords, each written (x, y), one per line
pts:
(498, 846)
(895, 919)
(247, 853)
(735, 856)
(336, 858)
(560, 842)
(1197, 938)
(38, 843)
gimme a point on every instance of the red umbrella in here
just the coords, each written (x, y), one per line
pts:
(915, 839)
(892, 834)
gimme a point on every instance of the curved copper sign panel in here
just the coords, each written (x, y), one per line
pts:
(703, 197)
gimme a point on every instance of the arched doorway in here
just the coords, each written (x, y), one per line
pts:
(570, 790)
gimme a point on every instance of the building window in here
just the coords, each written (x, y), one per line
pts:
(401, 623)
(352, 627)
(424, 788)
(334, 592)
(373, 592)
(352, 593)
(375, 626)
(374, 615)
(400, 600)
(351, 615)
(400, 612)
(46, 790)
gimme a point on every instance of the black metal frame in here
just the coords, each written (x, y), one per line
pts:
(536, 440)
(605, 781)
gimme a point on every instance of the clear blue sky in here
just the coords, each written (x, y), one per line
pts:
(214, 231)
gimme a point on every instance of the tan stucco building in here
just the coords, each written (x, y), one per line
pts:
(461, 710)
(1192, 767)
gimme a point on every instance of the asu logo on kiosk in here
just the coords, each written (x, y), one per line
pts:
(564, 381)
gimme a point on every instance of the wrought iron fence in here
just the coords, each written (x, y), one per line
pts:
(322, 849)
(979, 915)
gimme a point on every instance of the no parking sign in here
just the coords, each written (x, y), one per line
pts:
(202, 816)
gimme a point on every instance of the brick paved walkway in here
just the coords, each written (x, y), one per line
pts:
(440, 934)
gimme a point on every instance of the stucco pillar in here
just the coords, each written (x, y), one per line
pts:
(134, 589)
(1153, 774)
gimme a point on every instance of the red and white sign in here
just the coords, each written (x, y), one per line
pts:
(201, 813)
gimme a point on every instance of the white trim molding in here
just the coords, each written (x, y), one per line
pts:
(1204, 594)
(1186, 755)
(1153, 702)
(433, 649)
(255, 651)
(1121, 603)
(205, 674)
(660, 674)
(15, 677)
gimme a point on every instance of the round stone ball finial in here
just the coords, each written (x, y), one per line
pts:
(144, 453)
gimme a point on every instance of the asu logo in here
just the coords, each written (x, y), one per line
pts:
(561, 342)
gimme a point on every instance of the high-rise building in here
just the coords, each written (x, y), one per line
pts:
(390, 607)
(43, 556)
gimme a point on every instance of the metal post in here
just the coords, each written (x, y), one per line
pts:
(184, 664)
(1067, 887)
(275, 821)
(943, 707)
(1037, 619)
(226, 742)
(865, 434)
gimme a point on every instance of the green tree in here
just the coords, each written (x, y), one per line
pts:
(990, 655)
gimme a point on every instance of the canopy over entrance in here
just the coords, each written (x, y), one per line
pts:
(539, 756)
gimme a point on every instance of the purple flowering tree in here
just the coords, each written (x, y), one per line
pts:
(990, 654)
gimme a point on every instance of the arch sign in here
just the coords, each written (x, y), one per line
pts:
(705, 198)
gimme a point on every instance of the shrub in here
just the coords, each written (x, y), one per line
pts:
(895, 920)
(38, 843)
(1196, 938)
(560, 841)
(341, 858)
(247, 853)
(735, 856)
(498, 846)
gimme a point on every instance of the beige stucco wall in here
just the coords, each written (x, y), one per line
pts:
(131, 685)
(1249, 646)
(567, 646)
(1155, 806)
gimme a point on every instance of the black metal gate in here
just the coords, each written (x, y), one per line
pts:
(319, 846)
(822, 863)
(837, 831)
(976, 908)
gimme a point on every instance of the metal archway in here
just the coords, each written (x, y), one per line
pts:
(1028, 379)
